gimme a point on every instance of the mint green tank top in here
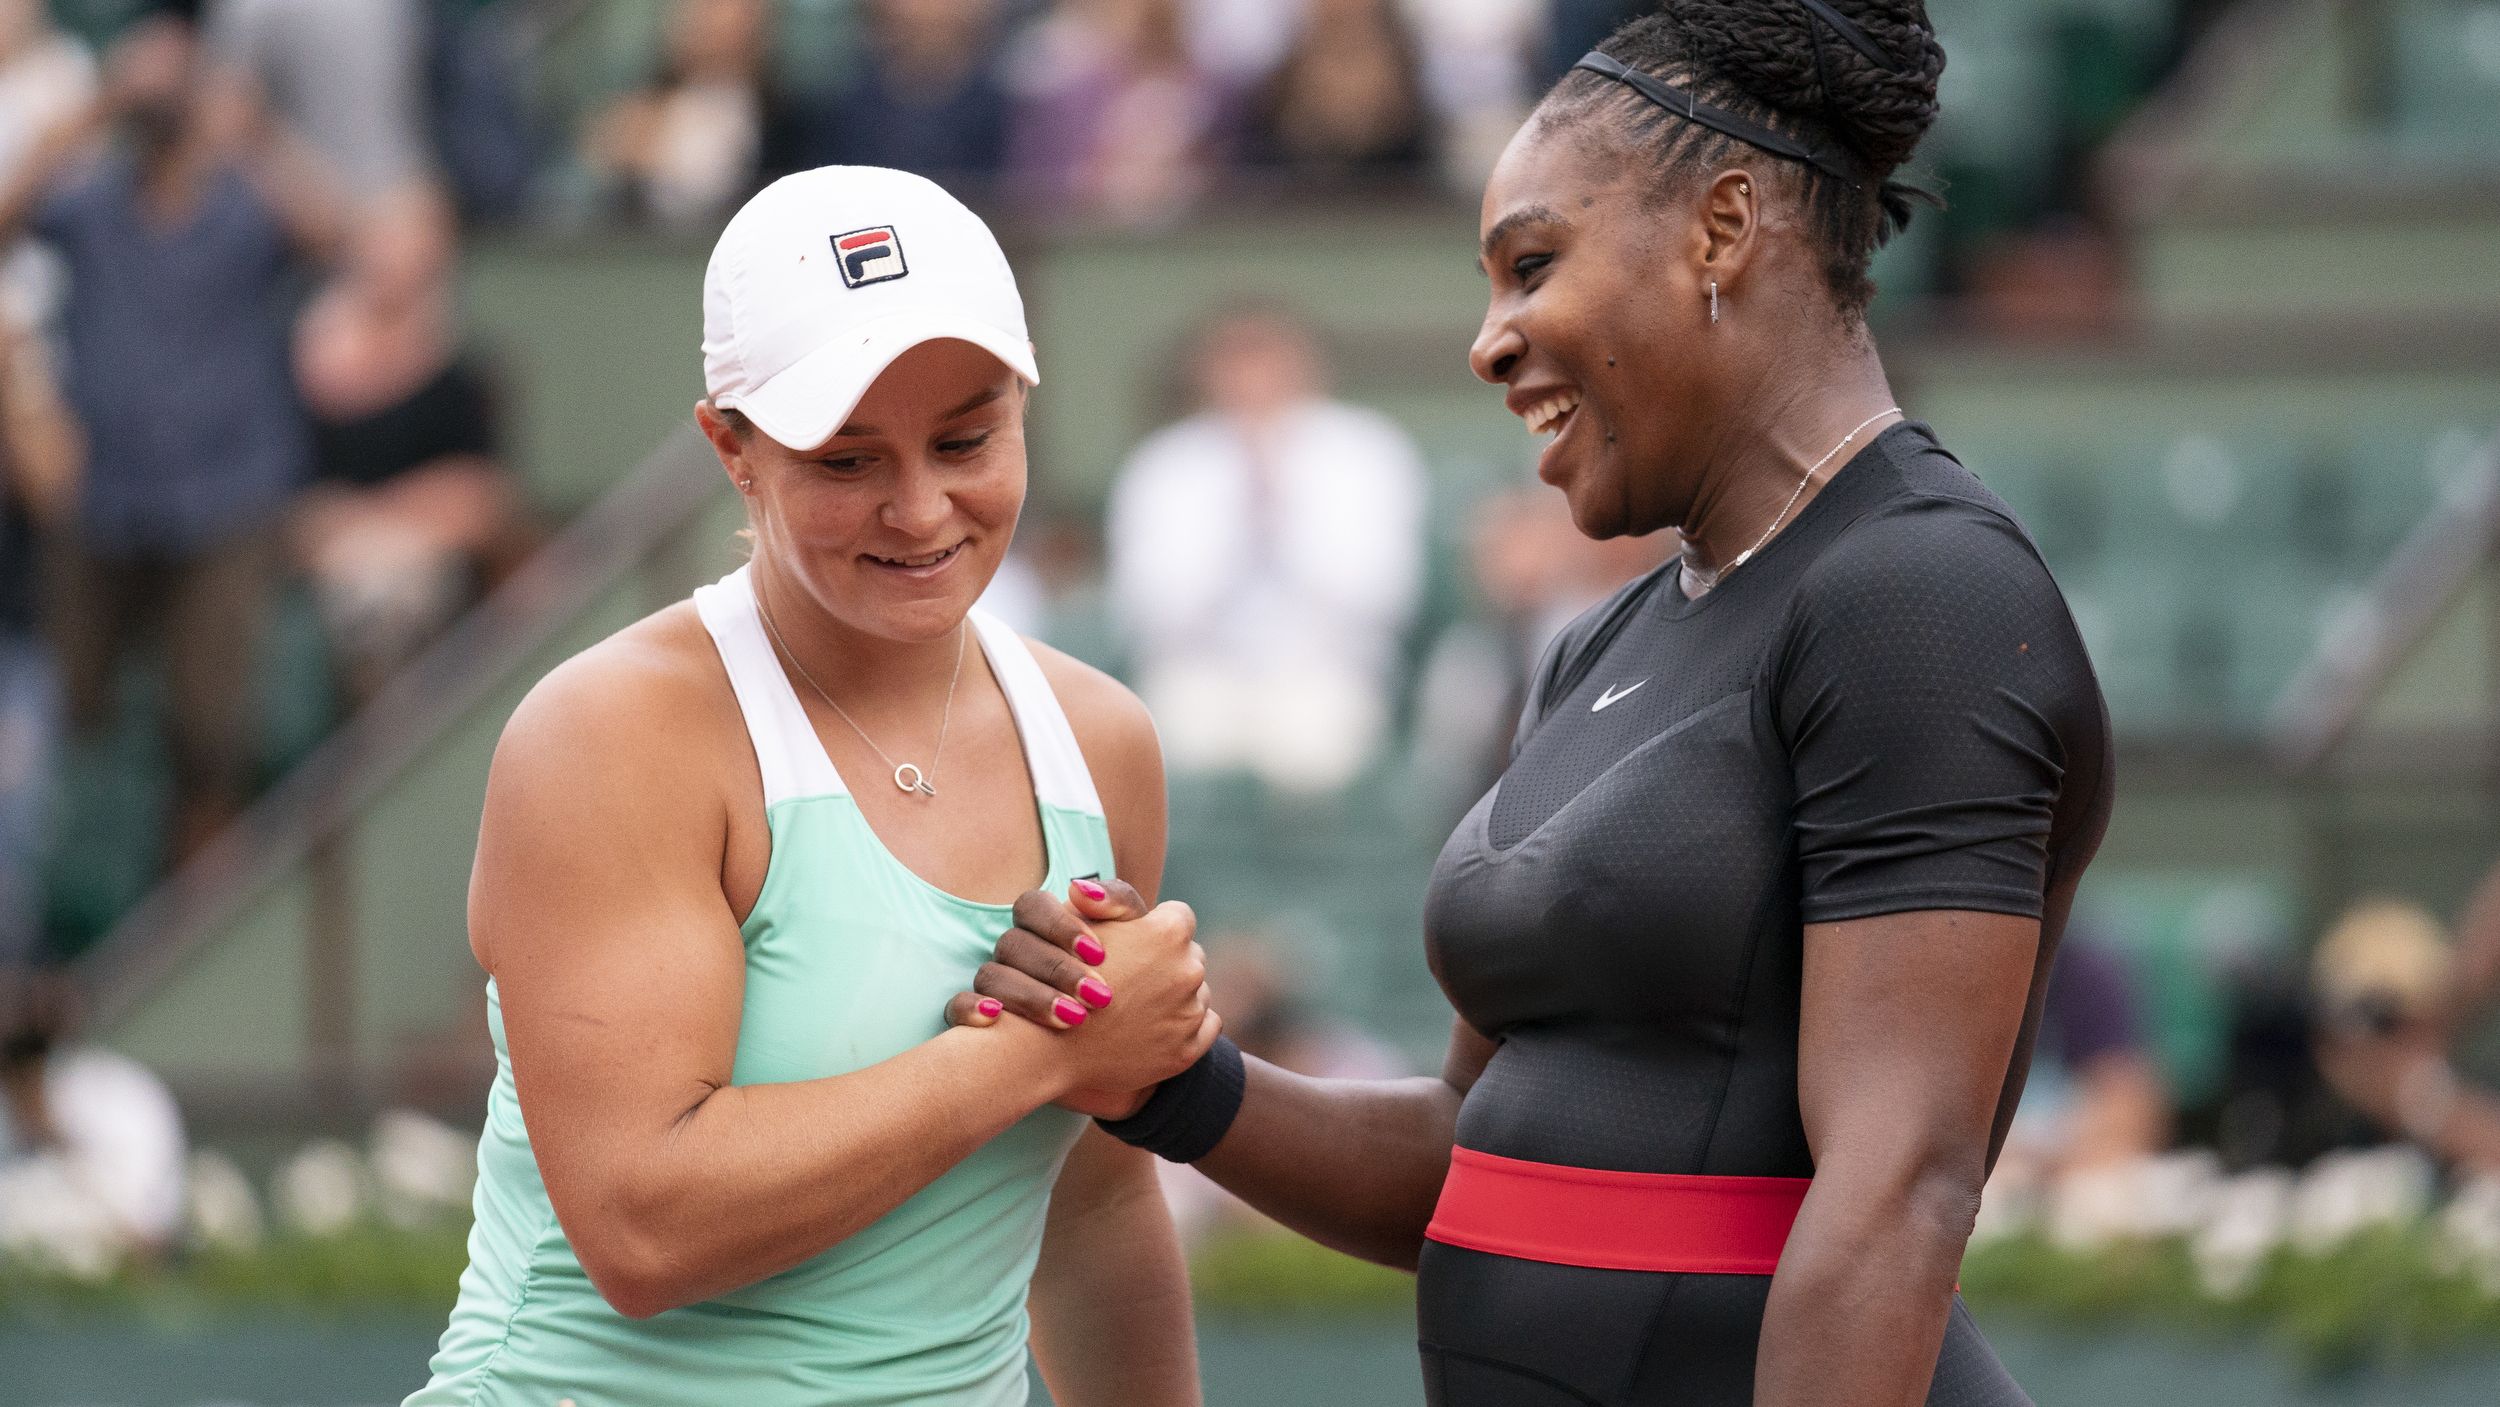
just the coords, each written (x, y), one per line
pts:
(850, 958)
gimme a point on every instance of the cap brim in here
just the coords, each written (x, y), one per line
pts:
(803, 406)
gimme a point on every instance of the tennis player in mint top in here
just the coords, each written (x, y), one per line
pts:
(735, 857)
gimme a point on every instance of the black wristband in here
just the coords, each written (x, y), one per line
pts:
(1190, 1113)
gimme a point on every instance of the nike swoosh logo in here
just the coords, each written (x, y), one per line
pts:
(1610, 697)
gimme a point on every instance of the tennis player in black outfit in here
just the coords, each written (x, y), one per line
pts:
(1748, 944)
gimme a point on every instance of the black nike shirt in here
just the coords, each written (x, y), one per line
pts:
(1888, 709)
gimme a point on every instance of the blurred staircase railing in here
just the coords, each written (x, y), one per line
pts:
(2430, 576)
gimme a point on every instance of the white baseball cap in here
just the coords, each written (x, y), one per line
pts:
(826, 276)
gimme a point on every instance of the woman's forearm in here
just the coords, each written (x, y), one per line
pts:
(1110, 1303)
(1353, 1164)
(1858, 1308)
(755, 1179)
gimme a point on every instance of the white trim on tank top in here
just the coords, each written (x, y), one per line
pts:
(792, 757)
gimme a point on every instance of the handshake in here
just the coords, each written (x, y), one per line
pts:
(1061, 968)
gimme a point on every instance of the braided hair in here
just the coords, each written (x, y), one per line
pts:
(1791, 66)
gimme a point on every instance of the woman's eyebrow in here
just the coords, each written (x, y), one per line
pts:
(854, 430)
(993, 393)
(1513, 223)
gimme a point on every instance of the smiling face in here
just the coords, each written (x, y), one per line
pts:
(1596, 314)
(894, 527)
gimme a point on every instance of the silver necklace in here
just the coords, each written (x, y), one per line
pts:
(1712, 579)
(907, 776)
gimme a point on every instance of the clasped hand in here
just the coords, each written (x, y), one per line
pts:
(1125, 985)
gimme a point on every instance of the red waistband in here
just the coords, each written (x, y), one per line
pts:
(1616, 1220)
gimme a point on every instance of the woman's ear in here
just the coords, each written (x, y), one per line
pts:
(1726, 225)
(728, 444)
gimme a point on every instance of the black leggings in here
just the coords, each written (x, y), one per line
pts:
(1499, 1332)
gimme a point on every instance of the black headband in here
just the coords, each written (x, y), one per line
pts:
(1897, 198)
(1847, 28)
(1683, 104)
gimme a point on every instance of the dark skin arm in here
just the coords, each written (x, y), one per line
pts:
(1908, 1024)
(1356, 1165)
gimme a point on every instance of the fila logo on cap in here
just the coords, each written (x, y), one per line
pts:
(870, 256)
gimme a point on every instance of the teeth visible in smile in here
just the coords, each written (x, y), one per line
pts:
(929, 561)
(1546, 414)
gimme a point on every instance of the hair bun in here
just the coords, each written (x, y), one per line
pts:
(1783, 55)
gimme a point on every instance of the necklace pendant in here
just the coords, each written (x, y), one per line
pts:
(910, 778)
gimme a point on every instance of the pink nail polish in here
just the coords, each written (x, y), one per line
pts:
(1069, 1011)
(1092, 890)
(988, 1006)
(1088, 949)
(1095, 991)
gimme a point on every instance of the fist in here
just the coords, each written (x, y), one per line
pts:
(1127, 984)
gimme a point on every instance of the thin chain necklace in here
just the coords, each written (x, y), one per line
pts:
(1711, 580)
(907, 776)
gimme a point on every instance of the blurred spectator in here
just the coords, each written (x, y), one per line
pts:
(1477, 74)
(2394, 997)
(1268, 1011)
(929, 96)
(709, 129)
(1576, 26)
(91, 1144)
(1114, 116)
(46, 78)
(2095, 1097)
(1533, 573)
(38, 477)
(177, 243)
(347, 74)
(411, 511)
(1347, 100)
(480, 127)
(1241, 42)
(1266, 555)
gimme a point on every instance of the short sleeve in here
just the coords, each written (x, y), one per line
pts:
(1931, 688)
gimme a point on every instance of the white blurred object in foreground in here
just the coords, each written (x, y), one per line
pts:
(105, 1180)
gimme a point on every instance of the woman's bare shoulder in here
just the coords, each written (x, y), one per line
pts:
(649, 704)
(1110, 721)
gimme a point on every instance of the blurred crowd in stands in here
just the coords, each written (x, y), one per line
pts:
(1119, 109)
(229, 359)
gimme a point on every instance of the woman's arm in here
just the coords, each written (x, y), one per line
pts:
(1110, 1301)
(1907, 1030)
(596, 902)
(1356, 1165)
(1110, 1304)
